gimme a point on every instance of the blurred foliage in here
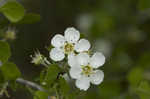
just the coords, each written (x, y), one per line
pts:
(4, 52)
(13, 11)
(10, 71)
(40, 95)
(123, 25)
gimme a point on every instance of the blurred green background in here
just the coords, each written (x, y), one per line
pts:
(118, 28)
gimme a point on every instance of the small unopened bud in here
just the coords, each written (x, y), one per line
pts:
(10, 34)
(38, 59)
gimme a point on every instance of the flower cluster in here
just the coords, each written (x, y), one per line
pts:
(83, 66)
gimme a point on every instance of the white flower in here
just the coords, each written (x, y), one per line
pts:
(68, 44)
(84, 69)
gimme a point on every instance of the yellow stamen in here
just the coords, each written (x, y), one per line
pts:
(87, 70)
(68, 48)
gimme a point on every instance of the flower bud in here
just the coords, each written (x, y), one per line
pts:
(38, 59)
(10, 34)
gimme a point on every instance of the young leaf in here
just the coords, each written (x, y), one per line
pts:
(10, 71)
(40, 95)
(13, 11)
(64, 87)
(4, 51)
(52, 74)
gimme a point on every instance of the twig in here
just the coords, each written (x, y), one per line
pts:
(31, 84)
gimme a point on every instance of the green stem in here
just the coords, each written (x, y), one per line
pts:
(57, 94)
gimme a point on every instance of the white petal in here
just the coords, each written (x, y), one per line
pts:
(97, 77)
(82, 45)
(75, 72)
(97, 60)
(83, 59)
(56, 54)
(83, 83)
(58, 40)
(72, 35)
(72, 60)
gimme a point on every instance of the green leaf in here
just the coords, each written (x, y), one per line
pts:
(144, 90)
(13, 11)
(4, 51)
(135, 76)
(64, 87)
(52, 74)
(10, 71)
(40, 95)
(30, 18)
(144, 4)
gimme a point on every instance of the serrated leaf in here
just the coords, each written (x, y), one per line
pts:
(13, 11)
(40, 95)
(52, 74)
(64, 87)
(10, 71)
(30, 18)
(4, 51)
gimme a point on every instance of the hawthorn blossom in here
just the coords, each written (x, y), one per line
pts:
(68, 44)
(84, 69)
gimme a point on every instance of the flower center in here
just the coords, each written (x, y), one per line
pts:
(68, 48)
(87, 70)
